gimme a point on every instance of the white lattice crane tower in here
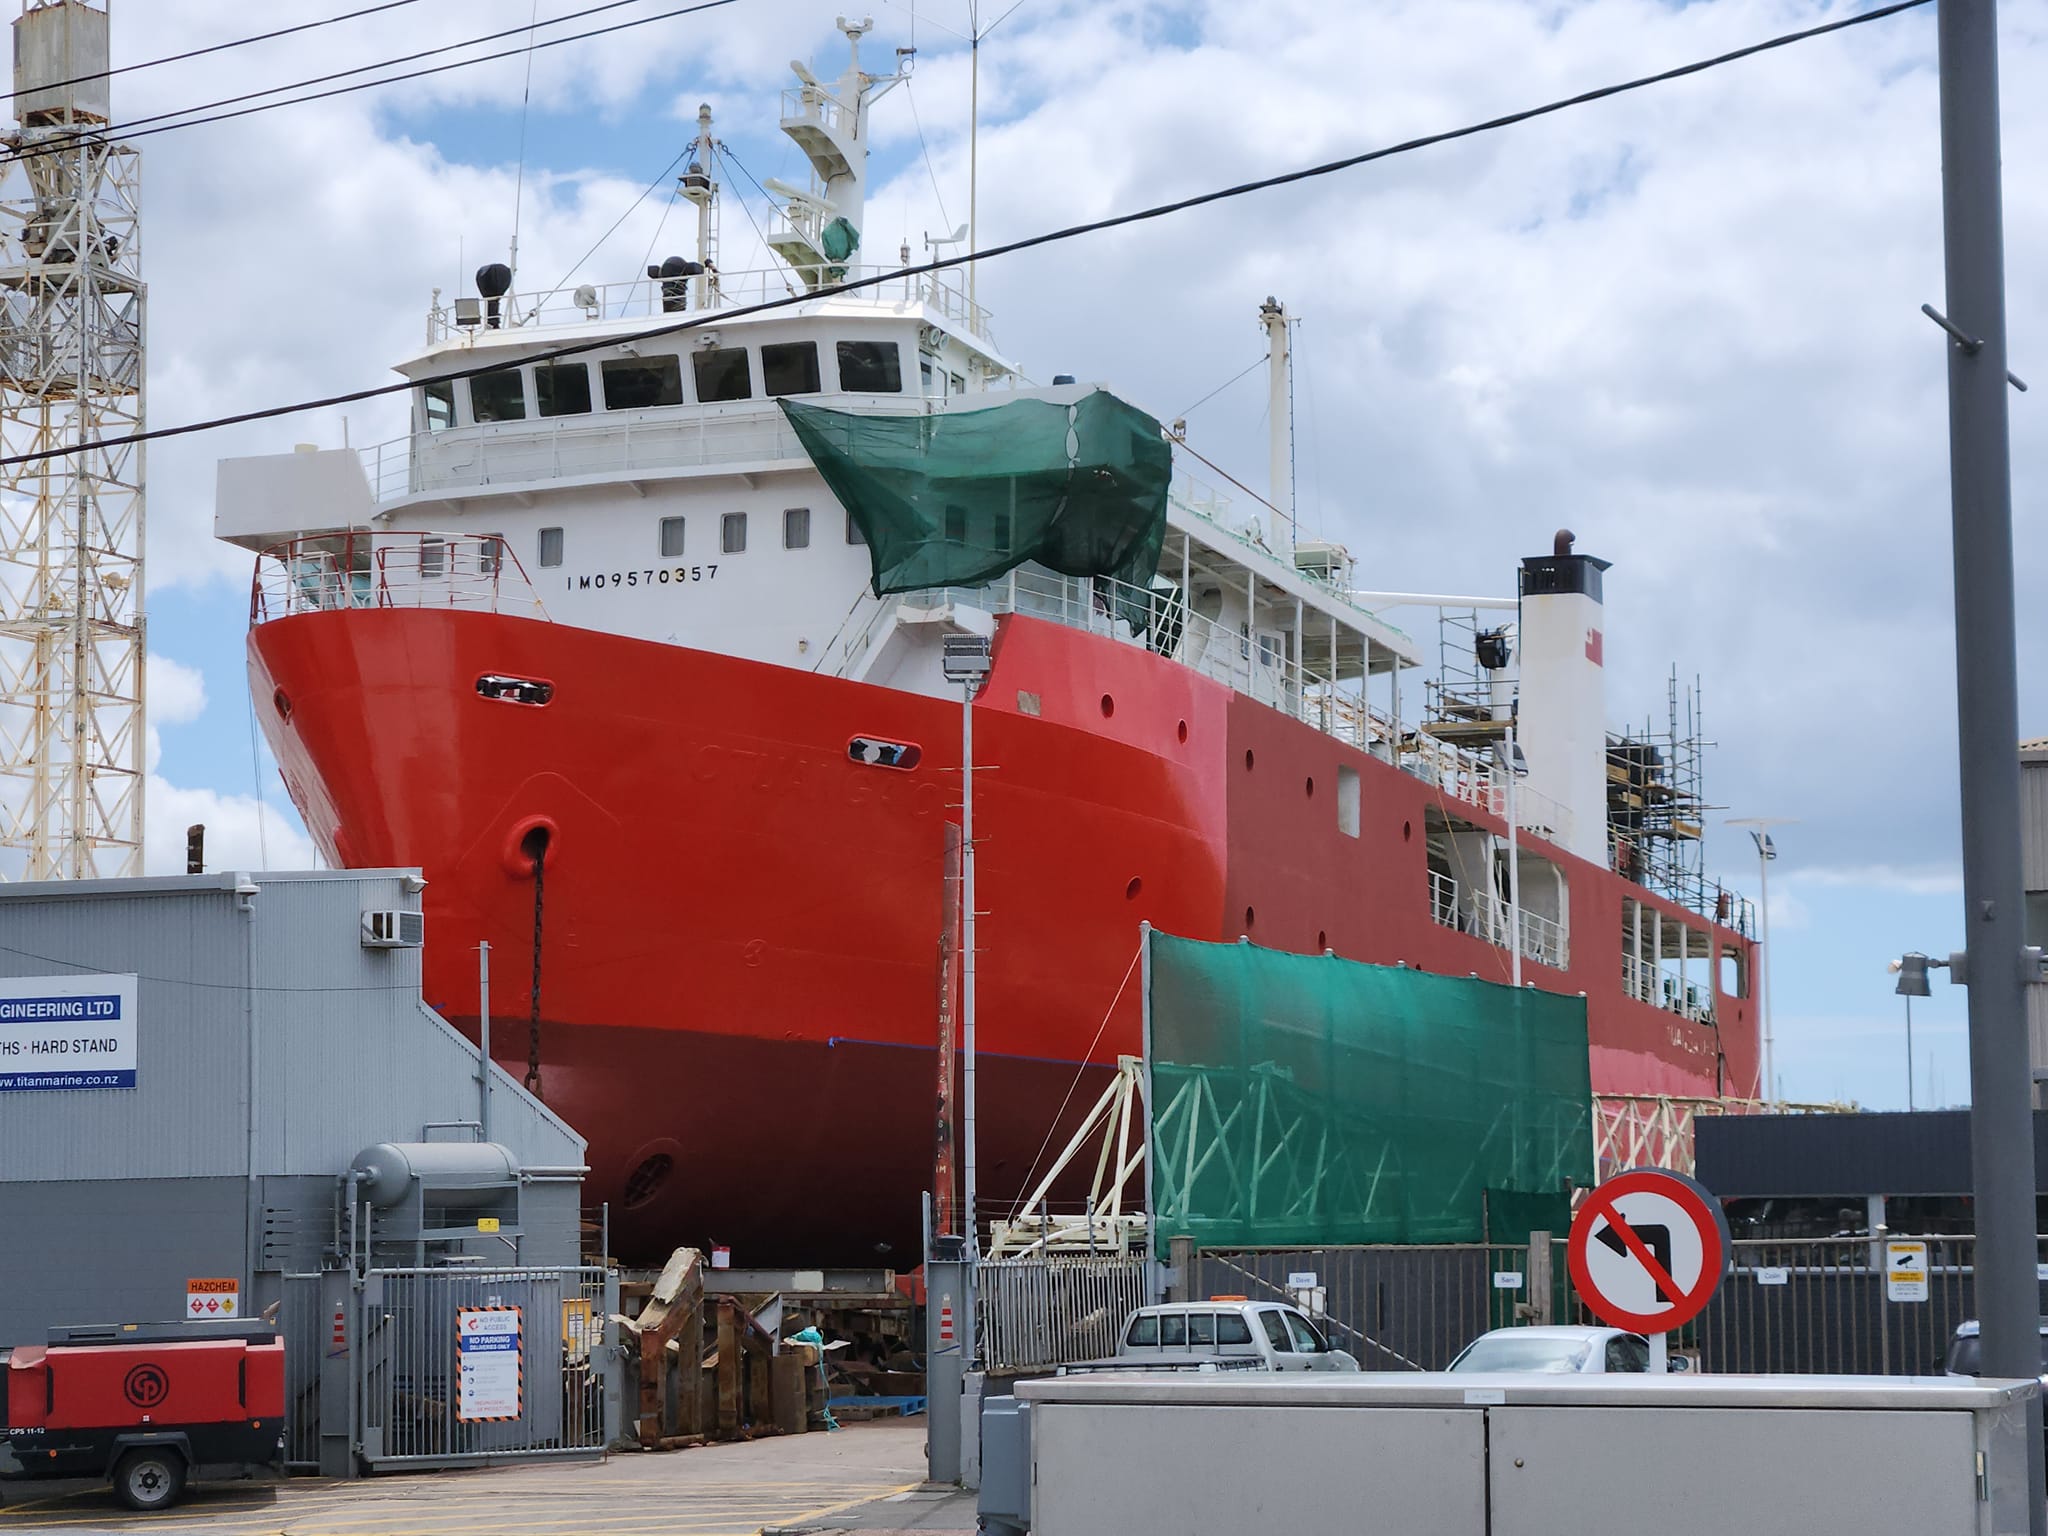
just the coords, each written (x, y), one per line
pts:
(72, 734)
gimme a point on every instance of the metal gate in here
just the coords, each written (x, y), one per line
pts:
(300, 1320)
(455, 1367)
(1031, 1314)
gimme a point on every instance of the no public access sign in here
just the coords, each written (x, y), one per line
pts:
(1647, 1249)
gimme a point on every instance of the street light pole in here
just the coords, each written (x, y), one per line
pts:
(1987, 719)
(1909, 1053)
(1759, 828)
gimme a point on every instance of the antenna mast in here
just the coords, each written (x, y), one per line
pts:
(72, 735)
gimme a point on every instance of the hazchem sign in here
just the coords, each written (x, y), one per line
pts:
(212, 1301)
(1647, 1249)
(67, 1032)
(492, 1365)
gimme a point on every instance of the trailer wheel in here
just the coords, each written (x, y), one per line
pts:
(149, 1477)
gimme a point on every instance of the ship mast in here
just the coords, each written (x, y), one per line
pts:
(700, 189)
(819, 227)
(72, 732)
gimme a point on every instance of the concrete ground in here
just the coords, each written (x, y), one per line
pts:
(865, 1477)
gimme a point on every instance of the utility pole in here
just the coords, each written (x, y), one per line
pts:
(1766, 850)
(1987, 708)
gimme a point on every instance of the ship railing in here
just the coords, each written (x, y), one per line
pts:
(811, 104)
(647, 298)
(1480, 781)
(1105, 606)
(1486, 915)
(1647, 982)
(327, 573)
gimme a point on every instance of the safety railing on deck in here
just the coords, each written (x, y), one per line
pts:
(331, 572)
(1485, 915)
(1036, 1313)
(643, 298)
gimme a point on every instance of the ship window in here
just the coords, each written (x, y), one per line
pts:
(433, 557)
(732, 533)
(796, 528)
(722, 374)
(789, 368)
(1002, 533)
(956, 384)
(853, 533)
(1347, 800)
(870, 367)
(1244, 641)
(498, 396)
(632, 384)
(490, 556)
(562, 389)
(437, 401)
(956, 525)
(1734, 979)
(551, 546)
(671, 537)
(924, 370)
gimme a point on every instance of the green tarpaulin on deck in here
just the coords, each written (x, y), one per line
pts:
(1300, 1100)
(958, 498)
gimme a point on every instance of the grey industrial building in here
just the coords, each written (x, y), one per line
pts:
(277, 1035)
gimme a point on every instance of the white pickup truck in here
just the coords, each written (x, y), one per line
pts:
(1227, 1335)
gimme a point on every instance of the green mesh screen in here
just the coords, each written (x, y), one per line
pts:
(1301, 1100)
(958, 498)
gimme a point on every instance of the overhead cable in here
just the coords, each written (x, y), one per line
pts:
(141, 127)
(194, 53)
(1029, 242)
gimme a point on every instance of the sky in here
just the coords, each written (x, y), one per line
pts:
(1683, 323)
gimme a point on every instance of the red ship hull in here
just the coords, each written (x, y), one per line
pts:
(740, 925)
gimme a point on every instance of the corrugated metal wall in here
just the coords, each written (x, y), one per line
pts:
(2034, 820)
(346, 1054)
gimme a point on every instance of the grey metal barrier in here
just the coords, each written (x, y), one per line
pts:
(1397, 1308)
(307, 1339)
(1032, 1314)
(459, 1366)
(1860, 1305)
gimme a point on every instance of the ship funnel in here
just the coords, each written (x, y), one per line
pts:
(1561, 720)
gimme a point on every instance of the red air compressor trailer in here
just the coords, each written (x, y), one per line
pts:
(147, 1406)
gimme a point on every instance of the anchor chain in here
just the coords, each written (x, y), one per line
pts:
(533, 1017)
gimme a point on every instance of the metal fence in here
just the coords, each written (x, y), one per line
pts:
(1826, 1305)
(1395, 1308)
(424, 1400)
(1821, 1305)
(301, 1320)
(1032, 1314)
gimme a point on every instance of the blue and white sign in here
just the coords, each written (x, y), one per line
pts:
(67, 1032)
(490, 1381)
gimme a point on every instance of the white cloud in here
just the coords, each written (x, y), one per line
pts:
(233, 838)
(1929, 880)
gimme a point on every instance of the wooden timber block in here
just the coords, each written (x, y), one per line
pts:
(788, 1398)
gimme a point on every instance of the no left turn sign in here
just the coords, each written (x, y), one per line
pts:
(1647, 1249)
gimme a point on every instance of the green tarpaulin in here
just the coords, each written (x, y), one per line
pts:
(959, 498)
(1301, 1100)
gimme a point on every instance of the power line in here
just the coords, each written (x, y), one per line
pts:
(194, 53)
(139, 128)
(1261, 361)
(1029, 242)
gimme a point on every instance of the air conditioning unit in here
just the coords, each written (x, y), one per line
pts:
(394, 930)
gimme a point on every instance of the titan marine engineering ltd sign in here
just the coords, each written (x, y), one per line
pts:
(67, 1032)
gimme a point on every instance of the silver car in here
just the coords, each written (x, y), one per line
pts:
(1558, 1351)
(1278, 1337)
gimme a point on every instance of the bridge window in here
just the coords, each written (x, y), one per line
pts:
(796, 528)
(956, 525)
(732, 533)
(437, 403)
(635, 383)
(790, 368)
(671, 537)
(870, 368)
(722, 374)
(433, 556)
(562, 389)
(853, 533)
(551, 546)
(498, 396)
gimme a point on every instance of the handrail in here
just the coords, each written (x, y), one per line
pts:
(326, 573)
(1485, 915)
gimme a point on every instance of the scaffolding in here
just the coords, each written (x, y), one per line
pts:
(72, 738)
(1656, 806)
(1469, 701)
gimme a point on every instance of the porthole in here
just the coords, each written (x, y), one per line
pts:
(283, 703)
(1131, 890)
(1108, 706)
(1247, 759)
(1182, 731)
(1407, 830)
(645, 1181)
(1249, 914)
(1310, 788)
(1322, 939)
